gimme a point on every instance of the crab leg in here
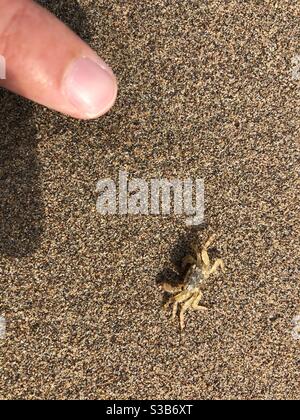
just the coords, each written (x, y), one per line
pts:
(175, 308)
(217, 264)
(195, 303)
(171, 289)
(210, 241)
(204, 253)
(189, 260)
(181, 297)
(184, 308)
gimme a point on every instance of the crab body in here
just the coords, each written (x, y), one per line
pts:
(194, 279)
(189, 293)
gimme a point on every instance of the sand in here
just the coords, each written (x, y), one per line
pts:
(206, 91)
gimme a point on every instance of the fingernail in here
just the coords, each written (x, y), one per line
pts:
(90, 87)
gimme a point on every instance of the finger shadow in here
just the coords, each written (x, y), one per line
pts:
(21, 206)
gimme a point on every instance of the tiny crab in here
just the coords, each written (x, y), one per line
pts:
(189, 293)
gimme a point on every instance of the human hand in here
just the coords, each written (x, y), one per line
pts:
(49, 64)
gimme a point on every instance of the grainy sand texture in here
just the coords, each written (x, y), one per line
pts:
(206, 91)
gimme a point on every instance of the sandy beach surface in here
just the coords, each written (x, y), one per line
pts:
(206, 91)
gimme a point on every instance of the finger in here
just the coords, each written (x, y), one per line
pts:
(47, 63)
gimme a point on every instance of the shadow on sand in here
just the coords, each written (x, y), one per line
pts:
(21, 204)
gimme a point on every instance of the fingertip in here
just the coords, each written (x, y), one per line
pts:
(66, 76)
(90, 87)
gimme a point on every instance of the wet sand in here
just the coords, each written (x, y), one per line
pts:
(206, 91)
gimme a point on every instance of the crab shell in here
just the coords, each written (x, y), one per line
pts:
(194, 278)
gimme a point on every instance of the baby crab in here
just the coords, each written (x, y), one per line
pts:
(189, 293)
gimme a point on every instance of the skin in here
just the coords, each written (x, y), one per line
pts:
(37, 58)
